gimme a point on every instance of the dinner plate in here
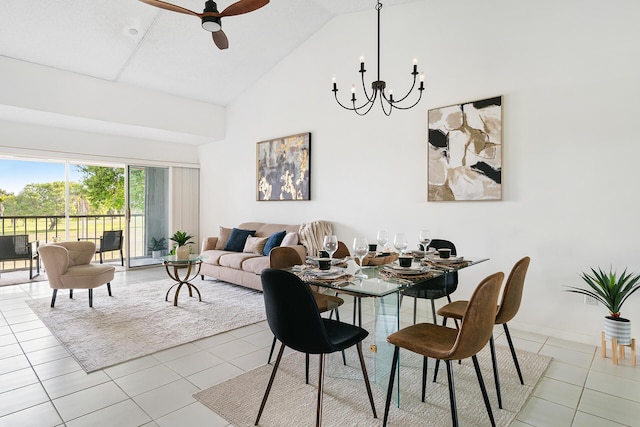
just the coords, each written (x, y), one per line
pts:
(414, 269)
(436, 258)
(324, 273)
(334, 261)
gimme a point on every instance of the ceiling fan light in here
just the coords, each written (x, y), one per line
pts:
(211, 23)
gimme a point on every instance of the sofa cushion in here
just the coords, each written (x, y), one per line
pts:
(290, 239)
(237, 239)
(255, 245)
(256, 265)
(223, 236)
(212, 256)
(274, 240)
(236, 259)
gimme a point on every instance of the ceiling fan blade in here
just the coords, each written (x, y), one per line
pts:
(171, 7)
(243, 6)
(220, 39)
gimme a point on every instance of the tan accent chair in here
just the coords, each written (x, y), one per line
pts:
(68, 266)
(508, 308)
(443, 343)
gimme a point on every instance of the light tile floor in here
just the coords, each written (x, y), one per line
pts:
(42, 385)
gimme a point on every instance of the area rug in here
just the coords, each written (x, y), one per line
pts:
(293, 403)
(137, 321)
(18, 277)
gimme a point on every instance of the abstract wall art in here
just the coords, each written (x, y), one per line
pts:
(283, 168)
(464, 151)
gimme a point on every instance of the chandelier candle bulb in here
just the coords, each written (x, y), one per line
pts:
(415, 66)
(362, 70)
(333, 80)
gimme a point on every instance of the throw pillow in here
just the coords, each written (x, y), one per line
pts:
(237, 239)
(290, 239)
(254, 245)
(274, 240)
(223, 236)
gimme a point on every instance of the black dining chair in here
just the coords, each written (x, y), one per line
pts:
(294, 318)
(436, 288)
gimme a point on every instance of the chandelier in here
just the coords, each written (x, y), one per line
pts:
(387, 101)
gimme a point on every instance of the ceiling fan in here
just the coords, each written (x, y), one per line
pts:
(211, 18)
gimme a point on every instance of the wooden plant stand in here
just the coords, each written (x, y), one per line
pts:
(619, 348)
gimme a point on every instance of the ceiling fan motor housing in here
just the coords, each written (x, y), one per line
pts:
(211, 23)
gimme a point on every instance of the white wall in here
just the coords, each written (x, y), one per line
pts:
(568, 73)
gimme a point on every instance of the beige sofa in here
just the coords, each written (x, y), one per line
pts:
(244, 268)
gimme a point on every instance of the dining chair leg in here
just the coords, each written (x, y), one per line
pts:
(487, 404)
(53, 297)
(320, 389)
(392, 375)
(496, 376)
(273, 346)
(344, 358)
(513, 352)
(268, 390)
(452, 393)
(415, 309)
(424, 376)
(306, 368)
(366, 378)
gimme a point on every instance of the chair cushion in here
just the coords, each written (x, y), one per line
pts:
(426, 339)
(87, 276)
(237, 239)
(454, 310)
(274, 240)
(343, 335)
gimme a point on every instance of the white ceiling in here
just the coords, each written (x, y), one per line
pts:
(170, 51)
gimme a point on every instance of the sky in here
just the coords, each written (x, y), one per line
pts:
(15, 174)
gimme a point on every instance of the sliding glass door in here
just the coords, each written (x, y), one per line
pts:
(147, 214)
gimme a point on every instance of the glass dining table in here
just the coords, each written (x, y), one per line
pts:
(385, 285)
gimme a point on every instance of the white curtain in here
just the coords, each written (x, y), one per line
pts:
(185, 202)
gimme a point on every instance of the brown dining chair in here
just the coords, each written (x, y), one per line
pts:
(508, 308)
(443, 343)
(285, 257)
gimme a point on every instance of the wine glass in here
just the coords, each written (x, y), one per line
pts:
(400, 242)
(360, 250)
(424, 239)
(382, 239)
(331, 245)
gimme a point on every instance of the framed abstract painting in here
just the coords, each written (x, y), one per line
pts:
(282, 168)
(464, 151)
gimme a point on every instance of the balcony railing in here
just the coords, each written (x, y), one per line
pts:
(50, 228)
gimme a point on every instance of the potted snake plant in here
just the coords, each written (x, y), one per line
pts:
(182, 239)
(611, 290)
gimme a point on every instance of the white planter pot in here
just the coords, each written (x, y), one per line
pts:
(156, 254)
(619, 328)
(182, 252)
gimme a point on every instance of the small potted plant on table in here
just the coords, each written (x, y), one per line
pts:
(182, 240)
(611, 291)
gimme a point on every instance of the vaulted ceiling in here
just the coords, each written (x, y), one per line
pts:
(131, 42)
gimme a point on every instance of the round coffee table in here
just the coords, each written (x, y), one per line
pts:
(189, 266)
